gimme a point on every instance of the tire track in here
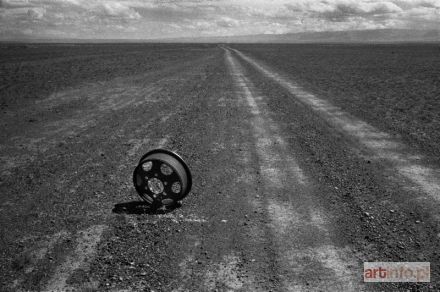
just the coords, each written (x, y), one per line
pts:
(217, 253)
(306, 257)
(411, 167)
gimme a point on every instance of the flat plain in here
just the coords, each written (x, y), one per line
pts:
(307, 161)
(393, 87)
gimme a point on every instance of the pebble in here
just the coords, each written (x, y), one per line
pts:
(224, 221)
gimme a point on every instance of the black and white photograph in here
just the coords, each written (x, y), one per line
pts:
(219, 145)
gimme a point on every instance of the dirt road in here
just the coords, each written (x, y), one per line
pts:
(290, 192)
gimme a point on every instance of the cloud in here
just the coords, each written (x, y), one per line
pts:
(36, 13)
(342, 10)
(174, 18)
(408, 4)
(227, 22)
(345, 10)
(116, 9)
(365, 14)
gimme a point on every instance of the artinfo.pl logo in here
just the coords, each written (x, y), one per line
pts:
(397, 272)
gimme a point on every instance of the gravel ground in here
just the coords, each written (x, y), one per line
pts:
(396, 88)
(286, 196)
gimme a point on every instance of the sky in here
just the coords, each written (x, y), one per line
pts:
(155, 19)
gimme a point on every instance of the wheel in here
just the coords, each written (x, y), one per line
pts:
(162, 177)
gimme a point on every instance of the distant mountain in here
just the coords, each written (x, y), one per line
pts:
(353, 36)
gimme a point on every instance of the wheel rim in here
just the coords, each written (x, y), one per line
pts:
(162, 176)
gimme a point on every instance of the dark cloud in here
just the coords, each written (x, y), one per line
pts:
(348, 10)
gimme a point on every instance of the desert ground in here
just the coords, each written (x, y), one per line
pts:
(307, 161)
